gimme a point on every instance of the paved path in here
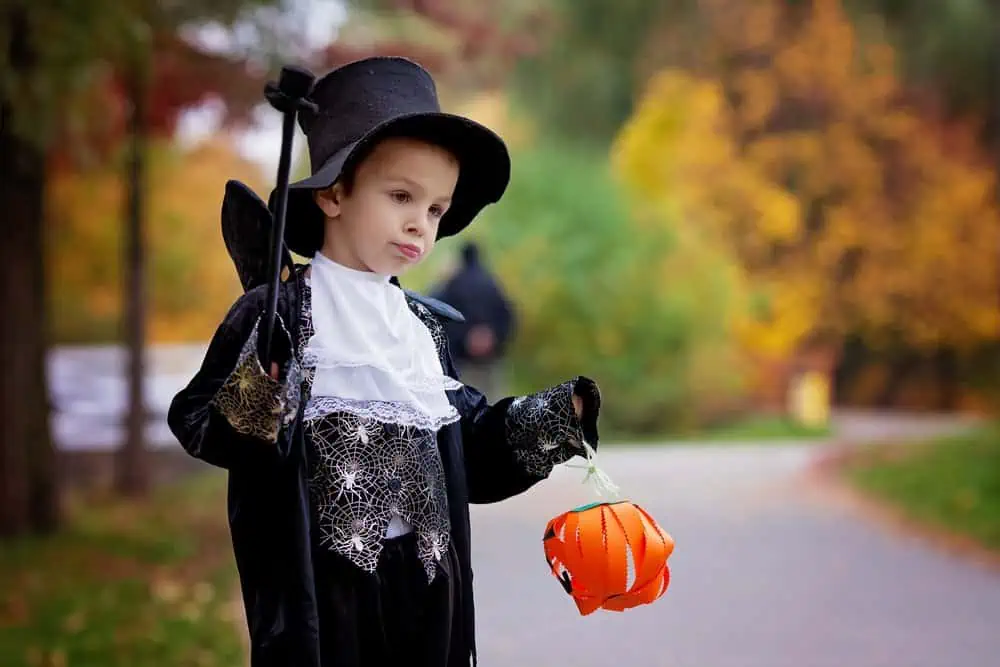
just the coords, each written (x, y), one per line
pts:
(767, 573)
(88, 391)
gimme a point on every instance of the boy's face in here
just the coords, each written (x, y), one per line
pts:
(389, 219)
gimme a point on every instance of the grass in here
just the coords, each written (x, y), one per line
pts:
(756, 428)
(951, 484)
(137, 584)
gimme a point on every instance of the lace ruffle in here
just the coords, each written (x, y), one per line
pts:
(402, 414)
(315, 357)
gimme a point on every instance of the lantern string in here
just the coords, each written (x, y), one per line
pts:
(599, 479)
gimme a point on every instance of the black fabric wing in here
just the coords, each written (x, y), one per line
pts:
(246, 231)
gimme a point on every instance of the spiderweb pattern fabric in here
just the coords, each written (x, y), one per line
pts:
(252, 401)
(368, 466)
(367, 473)
(437, 331)
(543, 429)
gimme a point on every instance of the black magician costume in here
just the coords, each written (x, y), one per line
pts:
(349, 481)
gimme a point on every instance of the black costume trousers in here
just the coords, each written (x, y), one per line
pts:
(392, 617)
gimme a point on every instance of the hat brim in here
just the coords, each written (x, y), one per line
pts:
(484, 172)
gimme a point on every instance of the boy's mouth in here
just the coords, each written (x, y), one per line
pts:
(409, 250)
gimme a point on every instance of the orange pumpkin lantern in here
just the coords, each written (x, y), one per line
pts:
(608, 555)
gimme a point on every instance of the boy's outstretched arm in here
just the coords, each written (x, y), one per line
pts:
(514, 443)
(231, 414)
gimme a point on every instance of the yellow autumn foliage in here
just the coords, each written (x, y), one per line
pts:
(492, 108)
(847, 210)
(192, 281)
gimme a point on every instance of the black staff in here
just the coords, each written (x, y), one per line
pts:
(289, 96)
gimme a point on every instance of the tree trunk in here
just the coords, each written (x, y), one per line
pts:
(29, 489)
(18, 197)
(948, 381)
(901, 365)
(132, 469)
(996, 151)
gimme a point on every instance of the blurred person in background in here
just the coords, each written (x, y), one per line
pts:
(478, 343)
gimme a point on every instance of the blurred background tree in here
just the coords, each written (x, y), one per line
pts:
(56, 57)
(849, 212)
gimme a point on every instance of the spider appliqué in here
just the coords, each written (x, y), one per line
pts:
(366, 472)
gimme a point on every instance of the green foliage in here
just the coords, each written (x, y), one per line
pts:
(582, 83)
(636, 304)
(952, 484)
(950, 46)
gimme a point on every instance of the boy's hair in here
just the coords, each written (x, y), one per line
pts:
(350, 170)
(346, 178)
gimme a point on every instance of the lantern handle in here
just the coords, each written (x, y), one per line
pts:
(599, 479)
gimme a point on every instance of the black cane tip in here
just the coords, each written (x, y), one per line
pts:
(295, 82)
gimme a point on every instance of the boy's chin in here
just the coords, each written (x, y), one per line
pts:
(395, 267)
(404, 267)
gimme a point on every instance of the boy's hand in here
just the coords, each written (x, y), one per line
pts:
(281, 353)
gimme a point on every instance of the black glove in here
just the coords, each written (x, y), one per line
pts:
(588, 391)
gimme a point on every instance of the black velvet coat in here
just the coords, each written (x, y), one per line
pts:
(268, 498)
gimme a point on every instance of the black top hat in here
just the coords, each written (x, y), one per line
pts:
(371, 99)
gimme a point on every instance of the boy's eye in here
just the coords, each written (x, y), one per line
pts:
(437, 211)
(401, 196)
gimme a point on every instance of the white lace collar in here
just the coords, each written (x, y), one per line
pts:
(371, 355)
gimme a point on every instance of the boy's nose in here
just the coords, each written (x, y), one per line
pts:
(417, 225)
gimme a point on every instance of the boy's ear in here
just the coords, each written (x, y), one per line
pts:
(329, 199)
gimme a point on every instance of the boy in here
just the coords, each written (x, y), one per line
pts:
(353, 461)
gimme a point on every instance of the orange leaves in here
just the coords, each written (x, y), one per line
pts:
(678, 150)
(820, 59)
(192, 280)
(848, 211)
(759, 93)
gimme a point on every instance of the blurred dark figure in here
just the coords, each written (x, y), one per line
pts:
(478, 343)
